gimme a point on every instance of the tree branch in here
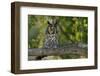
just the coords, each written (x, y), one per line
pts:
(56, 51)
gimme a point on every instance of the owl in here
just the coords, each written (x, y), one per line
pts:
(51, 40)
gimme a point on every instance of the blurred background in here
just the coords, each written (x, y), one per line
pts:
(69, 30)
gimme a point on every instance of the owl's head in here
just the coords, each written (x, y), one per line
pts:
(52, 27)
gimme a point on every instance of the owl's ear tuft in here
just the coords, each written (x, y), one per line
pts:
(49, 23)
(55, 24)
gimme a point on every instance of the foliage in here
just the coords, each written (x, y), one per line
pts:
(70, 30)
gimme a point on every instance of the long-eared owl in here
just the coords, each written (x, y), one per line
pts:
(51, 40)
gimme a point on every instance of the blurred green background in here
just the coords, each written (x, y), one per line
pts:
(70, 30)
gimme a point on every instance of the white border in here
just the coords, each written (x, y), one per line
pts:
(25, 64)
